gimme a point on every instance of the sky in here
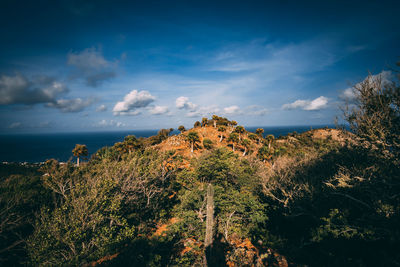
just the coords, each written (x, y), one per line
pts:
(77, 66)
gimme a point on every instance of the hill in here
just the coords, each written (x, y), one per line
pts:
(238, 199)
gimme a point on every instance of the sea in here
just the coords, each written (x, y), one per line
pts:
(34, 148)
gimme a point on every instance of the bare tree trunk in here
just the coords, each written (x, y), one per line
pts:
(77, 161)
(221, 137)
(215, 124)
(233, 147)
(209, 222)
(191, 148)
(245, 151)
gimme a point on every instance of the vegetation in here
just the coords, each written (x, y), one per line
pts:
(221, 130)
(181, 128)
(233, 139)
(301, 200)
(240, 130)
(193, 138)
(79, 151)
(207, 143)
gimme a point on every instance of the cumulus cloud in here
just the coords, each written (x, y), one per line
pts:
(70, 105)
(101, 108)
(316, 104)
(182, 102)
(132, 102)
(91, 64)
(159, 110)
(18, 89)
(232, 110)
(350, 93)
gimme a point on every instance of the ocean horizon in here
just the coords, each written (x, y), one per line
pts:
(39, 147)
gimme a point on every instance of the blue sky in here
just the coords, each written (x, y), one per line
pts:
(121, 65)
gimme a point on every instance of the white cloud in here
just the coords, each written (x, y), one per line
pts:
(18, 89)
(316, 104)
(182, 102)
(101, 108)
(71, 105)
(133, 101)
(350, 93)
(159, 110)
(92, 66)
(15, 125)
(111, 123)
(232, 110)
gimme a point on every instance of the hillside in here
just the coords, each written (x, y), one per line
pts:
(239, 199)
(180, 144)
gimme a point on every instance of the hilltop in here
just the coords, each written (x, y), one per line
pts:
(214, 134)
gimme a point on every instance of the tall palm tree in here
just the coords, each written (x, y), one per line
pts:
(78, 151)
(181, 128)
(193, 138)
(270, 138)
(221, 129)
(215, 119)
(260, 132)
(204, 122)
(253, 137)
(240, 129)
(233, 139)
(246, 144)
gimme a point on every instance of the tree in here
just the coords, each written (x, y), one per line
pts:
(181, 128)
(79, 151)
(264, 153)
(373, 115)
(215, 119)
(197, 124)
(233, 139)
(233, 123)
(221, 130)
(208, 240)
(193, 138)
(253, 137)
(131, 143)
(207, 143)
(164, 133)
(246, 144)
(240, 130)
(270, 138)
(204, 122)
(260, 132)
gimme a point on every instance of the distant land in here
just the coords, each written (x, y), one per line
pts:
(40, 147)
